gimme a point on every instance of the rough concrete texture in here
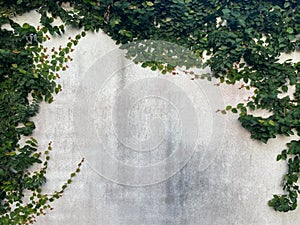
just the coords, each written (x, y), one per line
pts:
(156, 151)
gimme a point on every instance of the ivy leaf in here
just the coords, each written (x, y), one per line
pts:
(290, 30)
(228, 107)
(22, 71)
(225, 11)
(149, 3)
(284, 88)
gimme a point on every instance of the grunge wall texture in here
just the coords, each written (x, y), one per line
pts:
(156, 150)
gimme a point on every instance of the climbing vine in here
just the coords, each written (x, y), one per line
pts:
(243, 40)
(28, 71)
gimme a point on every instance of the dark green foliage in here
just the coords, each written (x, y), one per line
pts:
(27, 74)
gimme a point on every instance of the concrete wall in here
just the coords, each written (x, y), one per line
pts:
(156, 152)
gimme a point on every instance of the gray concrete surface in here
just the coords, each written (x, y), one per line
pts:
(156, 151)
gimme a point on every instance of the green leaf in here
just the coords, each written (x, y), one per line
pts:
(26, 25)
(240, 105)
(225, 11)
(228, 107)
(271, 122)
(234, 110)
(22, 71)
(284, 88)
(278, 157)
(149, 3)
(290, 30)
